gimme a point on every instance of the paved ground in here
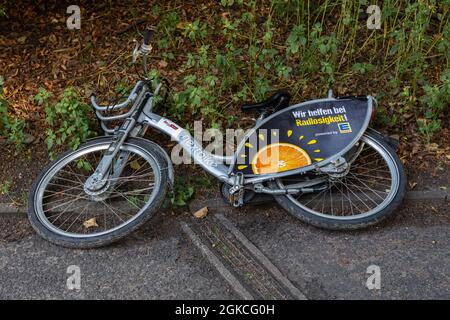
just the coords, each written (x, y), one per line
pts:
(161, 262)
(412, 251)
(157, 262)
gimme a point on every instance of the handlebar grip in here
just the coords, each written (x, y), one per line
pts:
(148, 36)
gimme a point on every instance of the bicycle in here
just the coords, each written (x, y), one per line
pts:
(318, 159)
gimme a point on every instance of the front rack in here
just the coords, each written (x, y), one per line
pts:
(140, 91)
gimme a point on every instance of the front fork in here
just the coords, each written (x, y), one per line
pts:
(108, 170)
(114, 161)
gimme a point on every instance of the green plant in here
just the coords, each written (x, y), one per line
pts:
(167, 26)
(229, 3)
(122, 89)
(245, 49)
(5, 186)
(185, 186)
(15, 131)
(23, 199)
(296, 39)
(68, 119)
(363, 68)
(428, 127)
(197, 97)
(194, 30)
(435, 99)
(181, 193)
(11, 127)
(42, 98)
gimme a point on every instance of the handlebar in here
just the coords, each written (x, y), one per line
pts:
(145, 47)
(148, 36)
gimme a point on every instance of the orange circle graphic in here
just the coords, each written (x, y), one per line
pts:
(278, 157)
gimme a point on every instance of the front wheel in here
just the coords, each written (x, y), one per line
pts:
(370, 192)
(64, 212)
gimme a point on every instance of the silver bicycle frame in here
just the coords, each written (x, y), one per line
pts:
(214, 164)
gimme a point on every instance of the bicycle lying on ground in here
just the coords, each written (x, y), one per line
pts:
(318, 159)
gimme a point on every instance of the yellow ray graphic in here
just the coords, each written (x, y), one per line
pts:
(243, 156)
(289, 133)
(248, 144)
(261, 137)
(242, 167)
(317, 150)
(318, 159)
(301, 138)
(312, 141)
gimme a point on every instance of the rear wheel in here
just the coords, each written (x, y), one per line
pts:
(370, 192)
(64, 212)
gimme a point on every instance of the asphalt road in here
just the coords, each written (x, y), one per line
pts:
(156, 262)
(160, 262)
(412, 251)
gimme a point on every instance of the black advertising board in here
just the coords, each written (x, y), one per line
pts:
(302, 135)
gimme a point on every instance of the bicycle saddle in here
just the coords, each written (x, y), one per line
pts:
(279, 100)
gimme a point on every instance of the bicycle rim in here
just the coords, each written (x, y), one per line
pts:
(63, 206)
(370, 186)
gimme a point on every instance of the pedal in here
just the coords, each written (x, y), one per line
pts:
(236, 192)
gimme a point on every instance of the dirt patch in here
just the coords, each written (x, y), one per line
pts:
(431, 174)
(14, 228)
(19, 169)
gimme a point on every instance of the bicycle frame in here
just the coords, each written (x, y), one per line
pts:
(213, 164)
(323, 147)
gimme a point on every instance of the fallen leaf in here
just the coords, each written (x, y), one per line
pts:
(52, 38)
(408, 115)
(395, 137)
(162, 63)
(135, 165)
(412, 184)
(90, 223)
(199, 214)
(432, 146)
(22, 39)
(180, 25)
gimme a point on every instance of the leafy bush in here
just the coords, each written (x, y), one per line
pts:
(246, 49)
(68, 119)
(242, 50)
(435, 99)
(10, 127)
(185, 186)
(180, 194)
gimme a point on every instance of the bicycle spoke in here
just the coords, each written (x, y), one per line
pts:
(364, 188)
(67, 206)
